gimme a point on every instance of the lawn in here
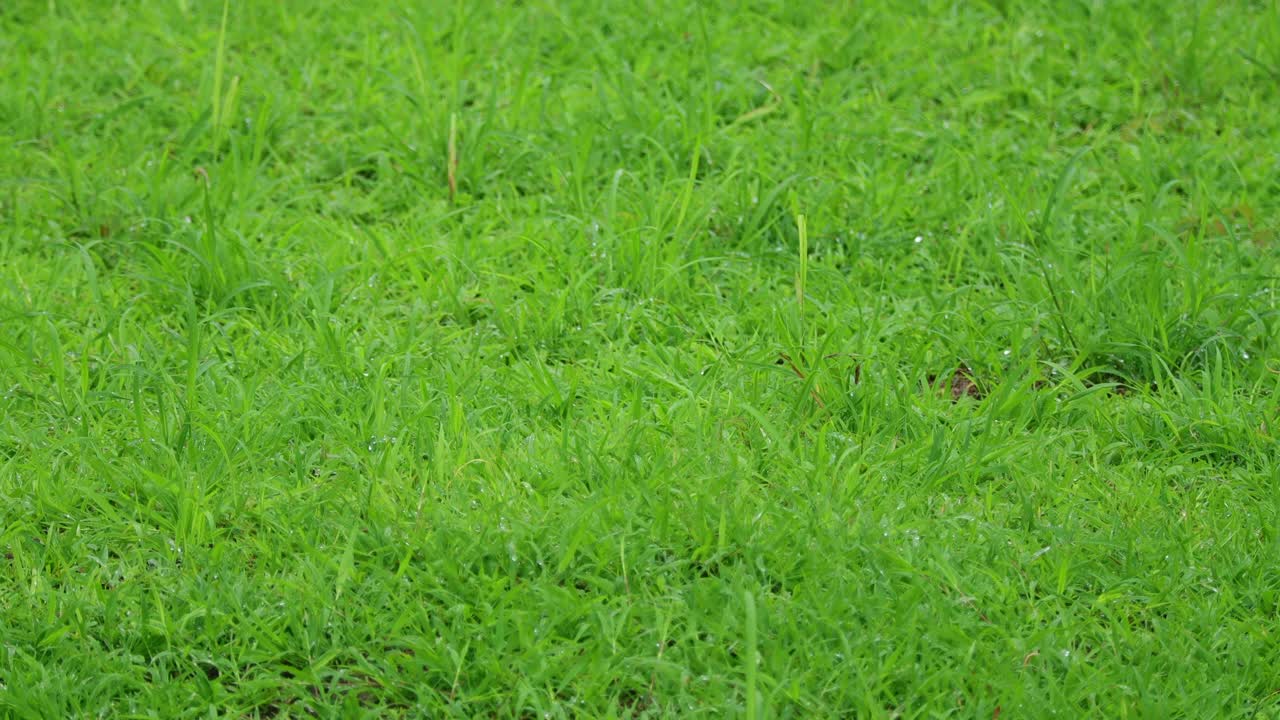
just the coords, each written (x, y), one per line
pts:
(566, 359)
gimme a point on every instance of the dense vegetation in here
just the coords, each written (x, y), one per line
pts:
(571, 359)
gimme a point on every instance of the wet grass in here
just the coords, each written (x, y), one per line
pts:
(554, 360)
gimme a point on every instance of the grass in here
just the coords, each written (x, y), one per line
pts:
(564, 359)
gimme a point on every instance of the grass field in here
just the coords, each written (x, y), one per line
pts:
(564, 359)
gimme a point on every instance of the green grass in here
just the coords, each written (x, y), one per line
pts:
(560, 359)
